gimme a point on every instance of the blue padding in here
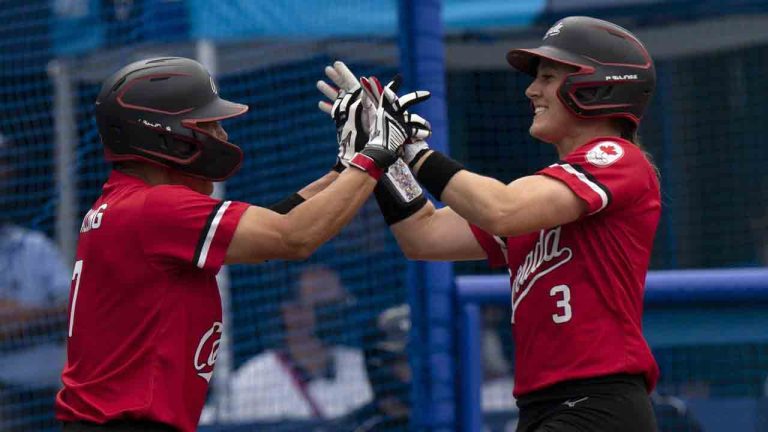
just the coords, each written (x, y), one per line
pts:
(472, 364)
(667, 286)
(434, 379)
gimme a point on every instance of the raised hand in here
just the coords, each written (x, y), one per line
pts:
(393, 124)
(351, 113)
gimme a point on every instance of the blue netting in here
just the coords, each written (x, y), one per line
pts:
(704, 128)
(53, 56)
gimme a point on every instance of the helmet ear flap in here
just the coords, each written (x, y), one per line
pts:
(592, 95)
(177, 148)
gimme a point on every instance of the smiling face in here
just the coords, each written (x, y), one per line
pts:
(552, 121)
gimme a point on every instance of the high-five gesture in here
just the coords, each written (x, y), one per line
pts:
(352, 113)
(420, 128)
(391, 128)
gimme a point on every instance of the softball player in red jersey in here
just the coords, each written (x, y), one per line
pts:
(145, 314)
(576, 236)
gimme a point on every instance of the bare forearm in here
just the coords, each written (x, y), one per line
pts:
(322, 216)
(410, 232)
(473, 197)
(526, 205)
(440, 235)
(291, 201)
(318, 185)
(478, 199)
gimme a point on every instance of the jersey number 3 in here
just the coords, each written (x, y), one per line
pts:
(564, 303)
(75, 278)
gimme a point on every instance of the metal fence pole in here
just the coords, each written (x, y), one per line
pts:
(434, 312)
(65, 133)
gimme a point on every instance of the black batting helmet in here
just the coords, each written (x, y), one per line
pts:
(149, 111)
(615, 76)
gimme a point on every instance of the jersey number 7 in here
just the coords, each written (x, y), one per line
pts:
(76, 278)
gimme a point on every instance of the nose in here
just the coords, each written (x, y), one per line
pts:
(533, 90)
(218, 131)
(224, 136)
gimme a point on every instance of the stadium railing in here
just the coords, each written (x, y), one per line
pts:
(683, 308)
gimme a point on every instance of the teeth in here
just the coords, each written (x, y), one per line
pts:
(539, 110)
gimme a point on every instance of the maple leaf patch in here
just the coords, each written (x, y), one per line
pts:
(605, 153)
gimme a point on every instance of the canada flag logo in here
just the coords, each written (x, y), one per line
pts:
(605, 153)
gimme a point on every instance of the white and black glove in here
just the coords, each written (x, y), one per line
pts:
(352, 113)
(393, 126)
(398, 194)
(413, 151)
(420, 129)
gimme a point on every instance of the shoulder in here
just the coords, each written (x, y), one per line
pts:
(606, 170)
(613, 159)
(163, 199)
(173, 193)
(610, 153)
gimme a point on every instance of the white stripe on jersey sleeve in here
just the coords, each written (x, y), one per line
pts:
(501, 241)
(211, 233)
(592, 185)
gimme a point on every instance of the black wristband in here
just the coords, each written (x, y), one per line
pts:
(418, 157)
(392, 206)
(436, 171)
(339, 167)
(286, 205)
(382, 157)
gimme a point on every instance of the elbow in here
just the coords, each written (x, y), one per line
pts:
(501, 221)
(304, 251)
(299, 250)
(412, 251)
(418, 256)
(296, 244)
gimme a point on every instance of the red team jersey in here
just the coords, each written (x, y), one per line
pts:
(577, 289)
(145, 312)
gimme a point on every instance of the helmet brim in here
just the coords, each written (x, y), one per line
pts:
(526, 60)
(217, 109)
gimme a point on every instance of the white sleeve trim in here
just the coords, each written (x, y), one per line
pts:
(211, 233)
(584, 179)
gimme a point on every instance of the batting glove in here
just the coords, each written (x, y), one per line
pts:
(351, 113)
(392, 126)
(420, 128)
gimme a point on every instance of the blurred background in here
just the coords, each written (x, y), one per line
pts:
(357, 338)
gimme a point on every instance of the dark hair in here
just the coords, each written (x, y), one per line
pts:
(628, 131)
